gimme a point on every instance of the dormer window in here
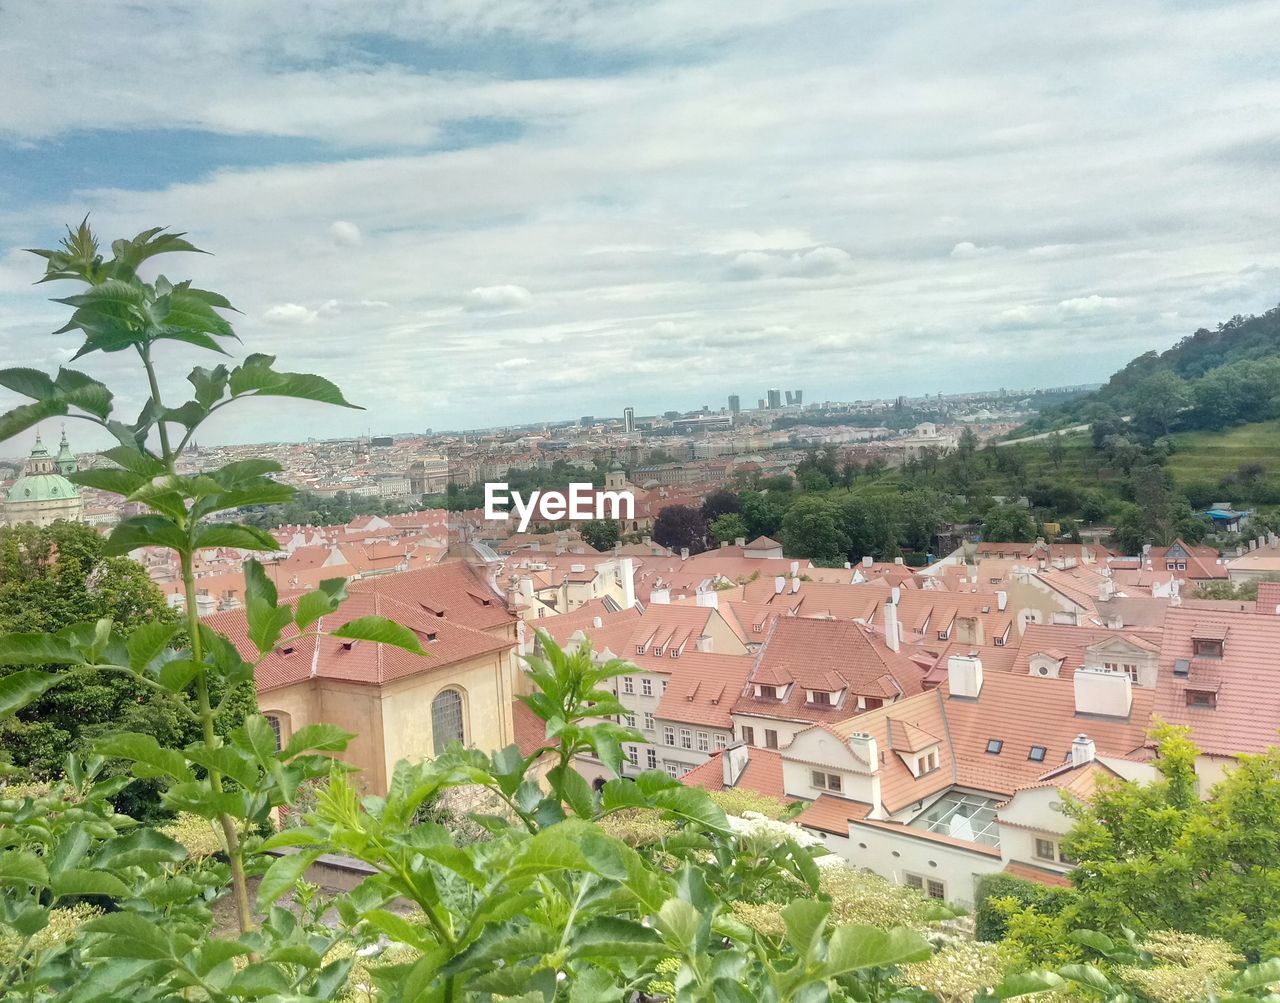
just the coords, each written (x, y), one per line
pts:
(658, 650)
(1206, 647)
(1204, 699)
(927, 764)
(768, 693)
(639, 649)
(944, 634)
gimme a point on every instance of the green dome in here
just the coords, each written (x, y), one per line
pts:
(42, 487)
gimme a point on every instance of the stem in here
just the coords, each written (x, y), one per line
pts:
(235, 852)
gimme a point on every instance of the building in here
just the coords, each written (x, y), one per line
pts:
(735, 404)
(42, 494)
(396, 704)
(775, 399)
(628, 419)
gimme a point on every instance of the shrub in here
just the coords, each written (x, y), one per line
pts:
(990, 921)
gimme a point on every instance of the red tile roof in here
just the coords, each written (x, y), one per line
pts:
(454, 591)
(1039, 875)
(763, 774)
(829, 813)
(703, 688)
(1246, 679)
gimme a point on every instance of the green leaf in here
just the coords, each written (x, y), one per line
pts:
(24, 416)
(854, 947)
(128, 935)
(175, 674)
(573, 789)
(1026, 984)
(397, 928)
(149, 758)
(138, 848)
(147, 642)
(323, 601)
(693, 805)
(1087, 975)
(18, 689)
(117, 481)
(612, 937)
(227, 760)
(28, 382)
(256, 376)
(678, 922)
(134, 461)
(234, 535)
(283, 875)
(1257, 976)
(78, 881)
(144, 531)
(322, 737)
(805, 921)
(266, 619)
(84, 392)
(21, 867)
(380, 630)
(210, 384)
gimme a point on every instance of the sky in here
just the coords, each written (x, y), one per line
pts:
(478, 212)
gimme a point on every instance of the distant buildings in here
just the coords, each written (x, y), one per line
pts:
(628, 420)
(735, 404)
(775, 399)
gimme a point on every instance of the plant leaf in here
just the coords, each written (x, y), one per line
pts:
(380, 630)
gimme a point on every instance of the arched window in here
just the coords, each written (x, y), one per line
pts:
(275, 727)
(446, 719)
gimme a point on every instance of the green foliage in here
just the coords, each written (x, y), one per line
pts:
(989, 920)
(601, 534)
(1009, 524)
(729, 527)
(680, 526)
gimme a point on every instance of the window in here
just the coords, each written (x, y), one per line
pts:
(749, 735)
(634, 755)
(1204, 647)
(994, 745)
(770, 739)
(673, 769)
(767, 692)
(757, 628)
(631, 720)
(275, 727)
(652, 756)
(935, 889)
(820, 697)
(914, 881)
(664, 686)
(926, 764)
(704, 741)
(668, 734)
(722, 740)
(646, 686)
(1127, 668)
(1202, 698)
(826, 781)
(686, 738)
(1036, 755)
(628, 684)
(1045, 849)
(648, 721)
(873, 703)
(446, 719)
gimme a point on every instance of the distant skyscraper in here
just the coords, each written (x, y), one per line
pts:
(775, 398)
(760, 404)
(799, 398)
(735, 404)
(790, 398)
(628, 419)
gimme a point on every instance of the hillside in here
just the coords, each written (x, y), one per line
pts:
(1212, 379)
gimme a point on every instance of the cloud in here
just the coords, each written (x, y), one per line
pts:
(816, 262)
(498, 298)
(289, 313)
(1088, 306)
(968, 249)
(520, 362)
(345, 234)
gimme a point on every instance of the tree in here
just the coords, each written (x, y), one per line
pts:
(811, 528)
(601, 534)
(719, 503)
(53, 577)
(1056, 451)
(1093, 506)
(871, 527)
(1009, 524)
(763, 513)
(921, 514)
(967, 444)
(680, 526)
(1158, 857)
(729, 527)
(1157, 402)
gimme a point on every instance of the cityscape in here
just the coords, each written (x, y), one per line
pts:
(646, 503)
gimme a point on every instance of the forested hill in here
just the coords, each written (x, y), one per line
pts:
(1217, 378)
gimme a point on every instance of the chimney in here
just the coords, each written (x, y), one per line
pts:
(627, 576)
(734, 762)
(895, 594)
(795, 568)
(868, 560)
(1106, 589)
(795, 585)
(891, 626)
(1083, 751)
(964, 675)
(1002, 600)
(897, 560)
(864, 747)
(684, 553)
(779, 585)
(1100, 691)
(597, 622)
(709, 598)
(724, 544)
(739, 541)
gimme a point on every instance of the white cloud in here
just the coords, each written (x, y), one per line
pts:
(1088, 306)
(520, 362)
(345, 234)
(499, 298)
(289, 313)
(968, 249)
(816, 262)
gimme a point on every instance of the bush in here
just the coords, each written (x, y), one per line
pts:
(990, 921)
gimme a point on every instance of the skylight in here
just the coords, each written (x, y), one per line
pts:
(994, 745)
(1036, 755)
(962, 816)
